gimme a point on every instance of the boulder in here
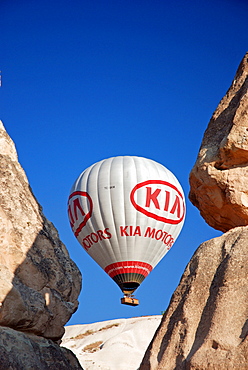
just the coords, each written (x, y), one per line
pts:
(205, 326)
(40, 284)
(218, 180)
(30, 352)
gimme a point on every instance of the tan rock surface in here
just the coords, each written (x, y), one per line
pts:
(206, 324)
(39, 283)
(218, 180)
(19, 351)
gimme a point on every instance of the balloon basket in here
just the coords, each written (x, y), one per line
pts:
(130, 301)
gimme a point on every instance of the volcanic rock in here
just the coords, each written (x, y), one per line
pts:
(218, 180)
(40, 284)
(205, 326)
(30, 352)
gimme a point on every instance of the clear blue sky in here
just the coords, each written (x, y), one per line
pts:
(87, 80)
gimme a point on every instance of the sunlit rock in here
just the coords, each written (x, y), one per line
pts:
(205, 326)
(219, 178)
(40, 284)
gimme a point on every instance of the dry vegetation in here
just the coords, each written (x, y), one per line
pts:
(109, 326)
(82, 335)
(89, 332)
(93, 347)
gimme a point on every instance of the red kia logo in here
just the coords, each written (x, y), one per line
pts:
(80, 208)
(160, 200)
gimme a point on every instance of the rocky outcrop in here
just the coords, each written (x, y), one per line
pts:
(205, 326)
(218, 180)
(19, 351)
(40, 284)
(117, 344)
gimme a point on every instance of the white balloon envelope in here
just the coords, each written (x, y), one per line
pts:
(126, 212)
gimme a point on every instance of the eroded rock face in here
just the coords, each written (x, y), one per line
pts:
(30, 352)
(205, 326)
(218, 180)
(40, 284)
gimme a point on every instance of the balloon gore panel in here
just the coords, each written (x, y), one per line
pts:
(126, 212)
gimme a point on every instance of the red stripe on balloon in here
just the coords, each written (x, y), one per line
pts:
(125, 267)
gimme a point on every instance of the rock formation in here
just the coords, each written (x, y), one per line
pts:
(218, 180)
(117, 344)
(19, 351)
(206, 324)
(40, 284)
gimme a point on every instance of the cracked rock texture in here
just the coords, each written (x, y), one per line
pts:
(206, 324)
(39, 283)
(218, 180)
(19, 351)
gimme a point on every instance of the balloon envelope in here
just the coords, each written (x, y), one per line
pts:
(126, 212)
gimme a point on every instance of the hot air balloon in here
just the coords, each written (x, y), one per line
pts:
(126, 212)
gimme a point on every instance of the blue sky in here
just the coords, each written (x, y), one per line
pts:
(87, 80)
